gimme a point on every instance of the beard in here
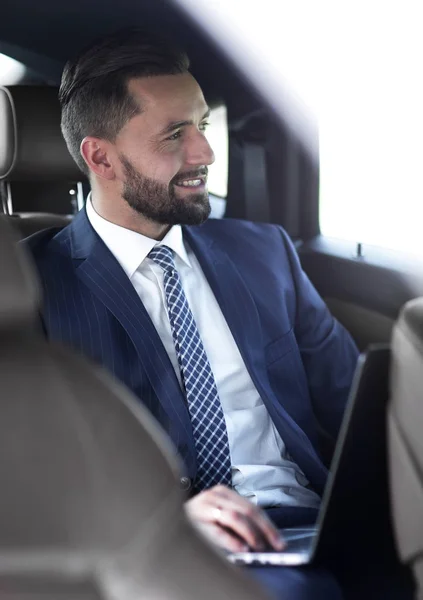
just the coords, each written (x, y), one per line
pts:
(159, 202)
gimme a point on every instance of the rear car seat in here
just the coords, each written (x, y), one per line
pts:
(32, 151)
(90, 504)
(28, 223)
(405, 419)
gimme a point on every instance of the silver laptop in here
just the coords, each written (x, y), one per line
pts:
(355, 497)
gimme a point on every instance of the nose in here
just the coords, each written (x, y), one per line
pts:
(198, 150)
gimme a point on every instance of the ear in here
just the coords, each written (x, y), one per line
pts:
(97, 154)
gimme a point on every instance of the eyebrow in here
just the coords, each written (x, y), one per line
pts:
(177, 124)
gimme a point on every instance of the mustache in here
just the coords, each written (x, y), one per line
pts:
(194, 174)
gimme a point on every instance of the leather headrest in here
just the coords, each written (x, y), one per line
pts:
(19, 288)
(32, 147)
(410, 322)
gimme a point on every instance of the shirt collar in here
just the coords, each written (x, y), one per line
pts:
(129, 247)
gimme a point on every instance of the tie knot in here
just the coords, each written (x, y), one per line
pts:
(163, 256)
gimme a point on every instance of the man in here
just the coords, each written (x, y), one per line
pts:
(212, 324)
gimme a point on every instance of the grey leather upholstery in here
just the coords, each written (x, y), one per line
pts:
(405, 431)
(90, 506)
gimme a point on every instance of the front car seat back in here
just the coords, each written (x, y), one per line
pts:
(90, 504)
(405, 423)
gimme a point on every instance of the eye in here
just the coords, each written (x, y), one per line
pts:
(204, 125)
(175, 135)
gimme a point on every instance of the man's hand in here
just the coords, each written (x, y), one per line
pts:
(232, 522)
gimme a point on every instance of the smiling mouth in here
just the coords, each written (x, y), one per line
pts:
(191, 183)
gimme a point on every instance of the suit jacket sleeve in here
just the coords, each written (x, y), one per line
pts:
(327, 350)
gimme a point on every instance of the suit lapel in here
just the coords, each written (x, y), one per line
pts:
(100, 271)
(237, 305)
(240, 312)
(233, 296)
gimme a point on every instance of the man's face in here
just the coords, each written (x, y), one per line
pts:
(163, 153)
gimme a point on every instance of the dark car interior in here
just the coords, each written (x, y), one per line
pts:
(271, 175)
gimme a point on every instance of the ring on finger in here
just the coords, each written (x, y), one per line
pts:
(216, 513)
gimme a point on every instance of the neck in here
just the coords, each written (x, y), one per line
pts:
(119, 212)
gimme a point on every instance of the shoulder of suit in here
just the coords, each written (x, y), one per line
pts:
(45, 241)
(237, 225)
(237, 230)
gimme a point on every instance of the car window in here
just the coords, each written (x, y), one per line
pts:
(15, 72)
(217, 135)
(370, 143)
(370, 130)
(11, 71)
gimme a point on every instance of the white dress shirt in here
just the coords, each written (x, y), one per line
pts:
(261, 469)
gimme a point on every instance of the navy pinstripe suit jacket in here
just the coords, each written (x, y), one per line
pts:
(300, 359)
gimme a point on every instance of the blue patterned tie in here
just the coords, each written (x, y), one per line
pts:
(208, 421)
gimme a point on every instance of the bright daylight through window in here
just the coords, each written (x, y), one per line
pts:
(371, 128)
(217, 135)
(356, 67)
(11, 71)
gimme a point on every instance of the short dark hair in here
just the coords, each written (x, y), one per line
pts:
(94, 93)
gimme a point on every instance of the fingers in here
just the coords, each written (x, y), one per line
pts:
(248, 521)
(234, 519)
(243, 527)
(252, 527)
(223, 538)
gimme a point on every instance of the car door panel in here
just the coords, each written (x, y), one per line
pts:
(365, 293)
